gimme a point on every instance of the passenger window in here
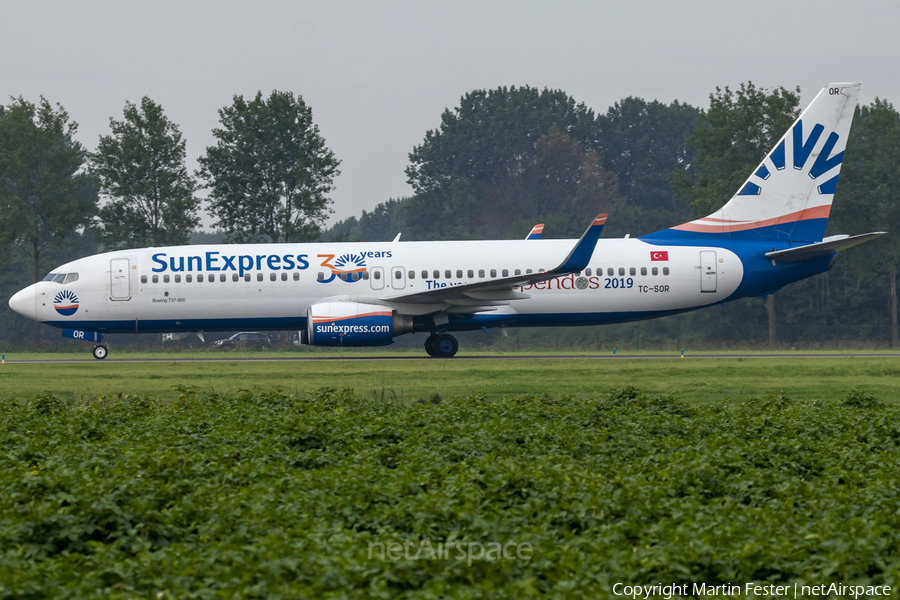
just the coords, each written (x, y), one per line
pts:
(655, 271)
(493, 272)
(188, 278)
(222, 277)
(178, 279)
(235, 277)
(632, 271)
(621, 271)
(481, 273)
(365, 275)
(665, 270)
(156, 279)
(143, 279)
(459, 273)
(527, 271)
(71, 277)
(643, 270)
(587, 272)
(199, 278)
(59, 278)
(470, 273)
(284, 276)
(424, 274)
(273, 276)
(610, 272)
(447, 274)
(412, 275)
(296, 276)
(320, 276)
(436, 273)
(505, 272)
(518, 271)
(211, 278)
(259, 277)
(376, 275)
(165, 279)
(398, 274)
(247, 277)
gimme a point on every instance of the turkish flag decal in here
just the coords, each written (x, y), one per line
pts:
(661, 255)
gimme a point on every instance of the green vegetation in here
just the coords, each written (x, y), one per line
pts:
(268, 494)
(692, 380)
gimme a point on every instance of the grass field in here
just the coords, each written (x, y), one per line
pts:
(279, 479)
(329, 494)
(691, 379)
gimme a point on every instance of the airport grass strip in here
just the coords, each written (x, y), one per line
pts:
(267, 495)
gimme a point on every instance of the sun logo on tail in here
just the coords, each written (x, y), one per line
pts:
(66, 303)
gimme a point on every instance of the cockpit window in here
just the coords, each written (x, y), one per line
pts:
(49, 277)
(71, 277)
(59, 278)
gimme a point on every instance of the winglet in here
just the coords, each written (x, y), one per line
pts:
(536, 232)
(581, 254)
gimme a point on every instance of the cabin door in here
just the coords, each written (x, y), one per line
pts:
(708, 271)
(119, 275)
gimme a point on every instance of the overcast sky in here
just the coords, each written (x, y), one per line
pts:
(378, 74)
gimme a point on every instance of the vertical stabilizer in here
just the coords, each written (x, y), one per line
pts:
(788, 196)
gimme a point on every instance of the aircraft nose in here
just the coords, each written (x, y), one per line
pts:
(23, 302)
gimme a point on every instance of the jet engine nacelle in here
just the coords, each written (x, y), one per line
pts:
(354, 324)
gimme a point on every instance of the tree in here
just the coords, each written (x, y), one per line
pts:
(870, 176)
(473, 156)
(44, 193)
(270, 172)
(557, 182)
(141, 168)
(644, 143)
(381, 225)
(731, 139)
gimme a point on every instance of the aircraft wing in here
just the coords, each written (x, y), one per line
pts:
(500, 291)
(824, 248)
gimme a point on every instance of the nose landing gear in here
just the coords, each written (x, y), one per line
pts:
(441, 346)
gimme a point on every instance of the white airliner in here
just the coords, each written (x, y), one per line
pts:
(366, 294)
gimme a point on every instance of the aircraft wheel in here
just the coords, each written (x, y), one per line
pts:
(100, 352)
(429, 344)
(445, 346)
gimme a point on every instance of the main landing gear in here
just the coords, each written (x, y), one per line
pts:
(441, 345)
(101, 351)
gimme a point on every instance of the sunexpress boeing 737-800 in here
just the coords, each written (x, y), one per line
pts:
(366, 294)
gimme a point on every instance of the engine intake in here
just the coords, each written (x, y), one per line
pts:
(354, 324)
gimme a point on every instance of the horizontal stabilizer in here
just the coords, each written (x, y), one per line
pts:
(824, 248)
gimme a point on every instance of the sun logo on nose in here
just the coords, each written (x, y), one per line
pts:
(65, 303)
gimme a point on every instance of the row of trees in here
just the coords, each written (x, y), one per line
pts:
(498, 163)
(268, 176)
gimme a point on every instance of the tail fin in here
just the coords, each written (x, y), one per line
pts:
(788, 197)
